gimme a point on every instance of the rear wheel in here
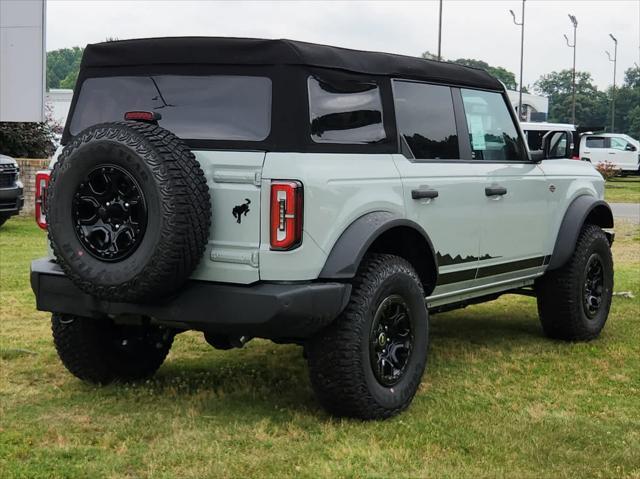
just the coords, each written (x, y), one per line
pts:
(574, 301)
(369, 362)
(99, 351)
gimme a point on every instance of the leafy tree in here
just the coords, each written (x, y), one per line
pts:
(63, 66)
(634, 122)
(26, 140)
(429, 56)
(591, 104)
(502, 74)
(627, 99)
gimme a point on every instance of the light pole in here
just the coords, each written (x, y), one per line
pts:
(574, 20)
(521, 25)
(613, 91)
(440, 33)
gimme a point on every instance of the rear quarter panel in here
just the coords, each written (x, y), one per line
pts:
(338, 189)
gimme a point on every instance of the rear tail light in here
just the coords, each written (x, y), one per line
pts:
(42, 181)
(286, 214)
(145, 116)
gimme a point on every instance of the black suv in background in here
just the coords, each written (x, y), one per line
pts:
(11, 189)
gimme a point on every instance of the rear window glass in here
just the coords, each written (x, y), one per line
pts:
(426, 119)
(192, 107)
(492, 131)
(348, 112)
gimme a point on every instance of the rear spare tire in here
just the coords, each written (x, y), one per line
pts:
(128, 211)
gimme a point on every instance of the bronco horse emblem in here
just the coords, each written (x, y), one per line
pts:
(240, 210)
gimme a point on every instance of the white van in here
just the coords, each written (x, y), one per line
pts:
(619, 149)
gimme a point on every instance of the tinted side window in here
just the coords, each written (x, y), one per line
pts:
(492, 132)
(618, 143)
(349, 112)
(218, 107)
(426, 120)
(596, 142)
(534, 139)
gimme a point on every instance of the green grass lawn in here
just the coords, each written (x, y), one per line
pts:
(498, 399)
(623, 190)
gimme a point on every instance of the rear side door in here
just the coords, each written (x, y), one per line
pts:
(595, 149)
(514, 238)
(441, 192)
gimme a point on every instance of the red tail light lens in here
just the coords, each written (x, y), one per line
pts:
(148, 116)
(42, 181)
(286, 214)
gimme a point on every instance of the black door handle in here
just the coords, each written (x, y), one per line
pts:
(420, 194)
(495, 191)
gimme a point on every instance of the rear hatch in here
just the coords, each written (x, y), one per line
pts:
(234, 239)
(225, 119)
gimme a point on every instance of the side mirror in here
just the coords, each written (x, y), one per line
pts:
(630, 147)
(557, 145)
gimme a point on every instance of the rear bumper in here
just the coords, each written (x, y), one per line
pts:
(268, 310)
(11, 200)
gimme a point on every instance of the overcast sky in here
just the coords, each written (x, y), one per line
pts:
(471, 29)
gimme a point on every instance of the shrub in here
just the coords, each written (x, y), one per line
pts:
(607, 169)
(30, 140)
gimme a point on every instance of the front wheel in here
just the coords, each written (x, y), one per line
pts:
(369, 362)
(574, 300)
(100, 351)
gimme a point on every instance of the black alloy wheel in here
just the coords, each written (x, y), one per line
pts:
(109, 213)
(593, 286)
(391, 340)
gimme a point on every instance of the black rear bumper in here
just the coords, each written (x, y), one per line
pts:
(268, 310)
(11, 200)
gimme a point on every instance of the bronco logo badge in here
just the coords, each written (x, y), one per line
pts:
(240, 210)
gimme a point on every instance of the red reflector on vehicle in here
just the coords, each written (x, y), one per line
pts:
(286, 214)
(150, 116)
(42, 181)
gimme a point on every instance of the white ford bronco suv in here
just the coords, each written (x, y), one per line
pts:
(306, 194)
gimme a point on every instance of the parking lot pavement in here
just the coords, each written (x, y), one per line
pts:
(626, 211)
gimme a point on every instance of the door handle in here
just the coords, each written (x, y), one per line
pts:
(495, 191)
(426, 193)
(612, 152)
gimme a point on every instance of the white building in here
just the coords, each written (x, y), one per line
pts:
(535, 108)
(57, 102)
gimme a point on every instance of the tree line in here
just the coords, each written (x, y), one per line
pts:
(593, 106)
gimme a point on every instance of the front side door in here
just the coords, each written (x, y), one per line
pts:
(441, 192)
(514, 237)
(623, 153)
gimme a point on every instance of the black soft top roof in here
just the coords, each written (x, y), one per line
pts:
(251, 51)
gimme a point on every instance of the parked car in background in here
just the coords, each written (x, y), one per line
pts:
(535, 132)
(617, 148)
(11, 189)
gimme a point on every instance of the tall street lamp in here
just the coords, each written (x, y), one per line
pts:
(613, 91)
(521, 25)
(440, 33)
(574, 20)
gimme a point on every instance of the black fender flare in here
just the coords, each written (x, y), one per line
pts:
(357, 238)
(581, 209)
